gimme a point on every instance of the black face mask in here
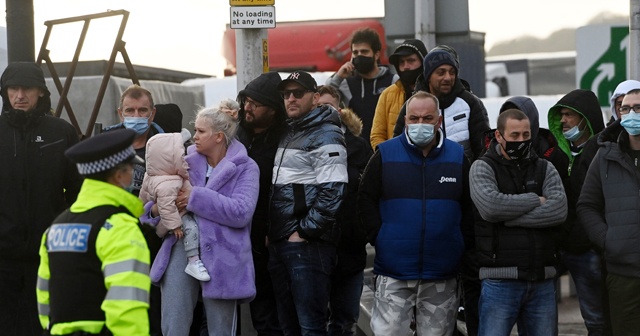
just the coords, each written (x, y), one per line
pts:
(363, 64)
(517, 150)
(409, 77)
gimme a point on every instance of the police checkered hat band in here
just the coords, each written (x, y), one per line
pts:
(107, 163)
(104, 151)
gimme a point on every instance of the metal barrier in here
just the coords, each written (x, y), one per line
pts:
(63, 90)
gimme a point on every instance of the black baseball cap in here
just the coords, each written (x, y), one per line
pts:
(302, 78)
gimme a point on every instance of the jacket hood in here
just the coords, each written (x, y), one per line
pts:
(27, 74)
(351, 121)
(622, 90)
(583, 102)
(611, 133)
(165, 155)
(526, 105)
(382, 70)
(264, 90)
(408, 47)
(321, 114)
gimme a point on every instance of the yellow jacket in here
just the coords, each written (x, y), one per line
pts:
(123, 252)
(387, 110)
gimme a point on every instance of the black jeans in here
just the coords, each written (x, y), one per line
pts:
(18, 304)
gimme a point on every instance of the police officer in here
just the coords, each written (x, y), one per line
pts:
(93, 277)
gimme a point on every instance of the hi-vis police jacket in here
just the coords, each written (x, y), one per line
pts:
(95, 274)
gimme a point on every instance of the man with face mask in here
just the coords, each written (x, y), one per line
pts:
(520, 206)
(608, 208)
(575, 121)
(136, 112)
(361, 80)
(407, 59)
(415, 208)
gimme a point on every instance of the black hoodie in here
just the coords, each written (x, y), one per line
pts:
(573, 168)
(544, 144)
(262, 147)
(37, 181)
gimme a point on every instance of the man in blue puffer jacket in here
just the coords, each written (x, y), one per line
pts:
(415, 206)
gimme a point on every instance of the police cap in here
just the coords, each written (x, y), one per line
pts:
(104, 151)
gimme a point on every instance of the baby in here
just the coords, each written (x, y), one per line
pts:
(166, 175)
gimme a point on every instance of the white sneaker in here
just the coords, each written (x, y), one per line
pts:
(197, 270)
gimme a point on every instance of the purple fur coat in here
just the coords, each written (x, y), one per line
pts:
(223, 208)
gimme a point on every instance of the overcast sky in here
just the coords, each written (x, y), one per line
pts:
(186, 35)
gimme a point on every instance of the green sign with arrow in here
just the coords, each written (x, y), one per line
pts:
(610, 68)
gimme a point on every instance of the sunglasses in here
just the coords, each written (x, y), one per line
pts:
(298, 93)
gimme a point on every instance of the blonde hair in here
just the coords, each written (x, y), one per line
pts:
(219, 121)
(230, 107)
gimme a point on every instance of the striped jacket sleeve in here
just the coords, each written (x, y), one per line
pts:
(125, 265)
(42, 286)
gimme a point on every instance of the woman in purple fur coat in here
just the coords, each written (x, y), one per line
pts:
(223, 199)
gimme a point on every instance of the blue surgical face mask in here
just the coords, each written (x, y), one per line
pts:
(138, 124)
(631, 122)
(574, 133)
(421, 134)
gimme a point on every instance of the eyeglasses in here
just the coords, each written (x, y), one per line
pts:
(253, 104)
(624, 109)
(298, 93)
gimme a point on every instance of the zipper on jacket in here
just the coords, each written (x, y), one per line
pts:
(424, 216)
(41, 148)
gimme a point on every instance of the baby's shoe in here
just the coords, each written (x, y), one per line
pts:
(197, 270)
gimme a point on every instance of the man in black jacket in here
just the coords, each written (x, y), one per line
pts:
(37, 182)
(309, 180)
(261, 126)
(609, 210)
(575, 120)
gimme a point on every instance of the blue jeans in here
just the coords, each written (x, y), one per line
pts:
(344, 304)
(301, 275)
(531, 303)
(586, 272)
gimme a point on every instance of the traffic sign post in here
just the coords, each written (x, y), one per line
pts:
(602, 59)
(251, 18)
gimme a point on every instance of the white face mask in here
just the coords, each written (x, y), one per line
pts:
(421, 134)
(574, 133)
(129, 187)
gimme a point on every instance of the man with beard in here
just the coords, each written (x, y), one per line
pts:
(361, 80)
(465, 119)
(407, 59)
(261, 126)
